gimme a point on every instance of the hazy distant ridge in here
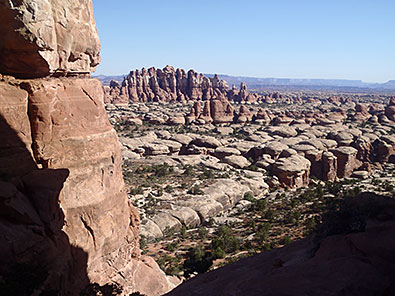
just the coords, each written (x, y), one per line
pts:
(255, 82)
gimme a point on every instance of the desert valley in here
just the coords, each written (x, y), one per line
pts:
(173, 182)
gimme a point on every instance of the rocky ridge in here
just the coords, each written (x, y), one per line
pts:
(170, 85)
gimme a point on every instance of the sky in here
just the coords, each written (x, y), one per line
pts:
(332, 39)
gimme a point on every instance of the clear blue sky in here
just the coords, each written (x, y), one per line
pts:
(345, 39)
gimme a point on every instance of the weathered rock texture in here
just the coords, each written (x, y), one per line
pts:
(215, 110)
(43, 37)
(293, 171)
(359, 262)
(62, 198)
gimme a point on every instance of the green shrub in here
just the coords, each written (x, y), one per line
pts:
(248, 196)
(203, 232)
(197, 261)
(218, 253)
(225, 240)
(195, 190)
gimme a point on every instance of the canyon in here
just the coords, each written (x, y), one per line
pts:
(153, 180)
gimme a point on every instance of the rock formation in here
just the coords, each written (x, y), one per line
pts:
(164, 85)
(390, 110)
(52, 37)
(215, 110)
(346, 160)
(169, 85)
(293, 171)
(62, 196)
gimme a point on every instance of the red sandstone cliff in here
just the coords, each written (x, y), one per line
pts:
(62, 199)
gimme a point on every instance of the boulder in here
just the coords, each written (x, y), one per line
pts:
(166, 222)
(236, 161)
(293, 171)
(221, 152)
(207, 142)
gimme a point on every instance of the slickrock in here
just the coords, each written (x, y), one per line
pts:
(315, 158)
(222, 152)
(221, 111)
(274, 149)
(166, 221)
(262, 117)
(361, 113)
(244, 115)
(207, 142)
(186, 216)
(237, 161)
(384, 148)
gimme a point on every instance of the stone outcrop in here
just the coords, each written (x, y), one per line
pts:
(244, 115)
(62, 196)
(329, 166)
(165, 85)
(169, 85)
(312, 267)
(346, 160)
(390, 110)
(216, 111)
(293, 171)
(49, 37)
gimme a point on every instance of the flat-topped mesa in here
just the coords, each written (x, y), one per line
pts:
(63, 203)
(165, 85)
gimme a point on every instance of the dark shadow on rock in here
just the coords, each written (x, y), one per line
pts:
(36, 256)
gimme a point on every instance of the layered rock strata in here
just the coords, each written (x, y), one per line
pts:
(48, 37)
(164, 85)
(62, 196)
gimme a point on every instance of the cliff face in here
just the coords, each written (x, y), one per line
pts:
(62, 201)
(43, 37)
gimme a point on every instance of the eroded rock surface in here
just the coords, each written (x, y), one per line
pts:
(63, 202)
(47, 37)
